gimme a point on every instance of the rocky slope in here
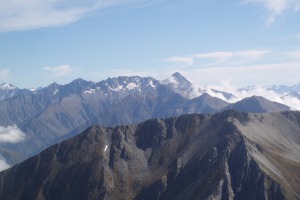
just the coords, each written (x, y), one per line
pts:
(229, 155)
(257, 104)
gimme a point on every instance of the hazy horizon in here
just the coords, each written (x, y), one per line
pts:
(245, 42)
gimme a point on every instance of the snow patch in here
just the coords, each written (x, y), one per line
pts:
(55, 92)
(91, 91)
(7, 86)
(120, 87)
(105, 147)
(132, 86)
(152, 84)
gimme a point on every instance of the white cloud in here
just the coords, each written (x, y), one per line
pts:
(219, 57)
(59, 71)
(3, 164)
(275, 8)
(238, 56)
(11, 134)
(182, 61)
(32, 14)
(4, 73)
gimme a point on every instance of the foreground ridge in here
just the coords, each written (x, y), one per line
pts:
(229, 155)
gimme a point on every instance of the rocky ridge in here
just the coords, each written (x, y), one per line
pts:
(228, 155)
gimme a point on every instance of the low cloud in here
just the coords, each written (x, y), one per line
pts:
(11, 134)
(4, 73)
(59, 71)
(3, 164)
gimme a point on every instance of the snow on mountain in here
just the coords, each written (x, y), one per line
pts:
(182, 86)
(123, 85)
(7, 86)
(7, 90)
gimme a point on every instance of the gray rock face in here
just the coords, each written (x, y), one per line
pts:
(229, 155)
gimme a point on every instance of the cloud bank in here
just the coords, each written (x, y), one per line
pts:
(255, 90)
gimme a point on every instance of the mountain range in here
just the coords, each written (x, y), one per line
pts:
(227, 155)
(57, 112)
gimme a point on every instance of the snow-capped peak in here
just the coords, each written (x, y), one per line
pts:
(177, 80)
(182, 86)
(7, 86)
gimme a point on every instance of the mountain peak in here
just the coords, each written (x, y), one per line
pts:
(258, 104)
(7, 86)
(178, 81)
(180, 78)
(177, 74)
(181, 85)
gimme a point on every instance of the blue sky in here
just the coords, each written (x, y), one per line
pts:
(244, 42)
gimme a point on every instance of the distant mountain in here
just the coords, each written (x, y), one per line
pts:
(229, 155)
(181, 85)
(178, 105)
(8, 90)
(257, 104)
(282, 89)
(57, 112)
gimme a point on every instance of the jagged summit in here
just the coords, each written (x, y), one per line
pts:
(181, 85)
(178, 81)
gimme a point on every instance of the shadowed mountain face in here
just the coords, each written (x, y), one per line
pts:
(229, 155)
